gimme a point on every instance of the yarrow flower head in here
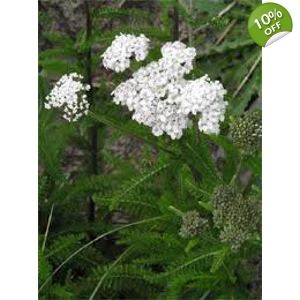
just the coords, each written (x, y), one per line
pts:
(69, 95)
(235, 216)
(246, 132)
(177, 59)
(206, 97)
(162, 99)
(117, 56)
(192, 225)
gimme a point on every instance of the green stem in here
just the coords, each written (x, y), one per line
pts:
(176, 211)
(175, 24)
(204, 192)
(106, 273)
(238, 169)
(214, 253)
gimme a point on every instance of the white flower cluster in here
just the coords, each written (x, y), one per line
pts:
(163, 100)
(117, 56)
(69, 95)
(205, 97)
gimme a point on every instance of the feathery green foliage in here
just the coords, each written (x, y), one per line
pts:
(172, 219)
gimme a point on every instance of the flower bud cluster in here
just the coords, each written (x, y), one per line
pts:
(117, 56)
(235, 216)
(69, 95)
(192, 225)
(246, 132)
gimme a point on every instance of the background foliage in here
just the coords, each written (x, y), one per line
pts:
(111, 195)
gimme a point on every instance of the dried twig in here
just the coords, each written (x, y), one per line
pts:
(246, 78)
(47, 228)
(220, 14)
(226, 31)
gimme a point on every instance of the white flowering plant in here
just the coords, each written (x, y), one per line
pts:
(162, 99)
(117, 56)
(149, 151)
(69, 95)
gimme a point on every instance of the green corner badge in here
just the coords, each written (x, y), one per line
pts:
(268, 23)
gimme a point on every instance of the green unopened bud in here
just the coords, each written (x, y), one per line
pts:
(246, 132)
(192, 225)
(236, 217)
(223, 199)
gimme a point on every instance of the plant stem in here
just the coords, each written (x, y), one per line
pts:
(237, 171)
(47, 228)
(219, 15)
(246, 78)
(175, 25)
(190, 26)
(107, 272)
(226, 31)
(176, 211)
(204, 296)
(94, 130)
(204, 192)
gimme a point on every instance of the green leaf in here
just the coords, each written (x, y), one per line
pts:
(218, 260)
